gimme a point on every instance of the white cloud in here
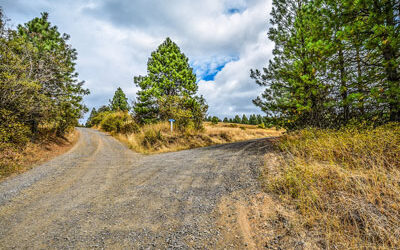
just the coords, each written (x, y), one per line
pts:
(115, 38)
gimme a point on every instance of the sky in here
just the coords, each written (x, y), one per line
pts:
(223, 40)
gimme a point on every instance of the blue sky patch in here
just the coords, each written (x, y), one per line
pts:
(211, 75)
(233, 11)
(209, 69)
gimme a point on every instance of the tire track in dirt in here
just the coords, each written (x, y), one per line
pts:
(103, 195)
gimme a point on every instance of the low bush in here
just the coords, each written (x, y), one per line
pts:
(214, 120)
(344, 185)
(129, 127)
(116, 122)
(151, 138)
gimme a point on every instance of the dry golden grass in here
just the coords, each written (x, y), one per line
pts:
(47, 146)
(157, 138)
(343, 187)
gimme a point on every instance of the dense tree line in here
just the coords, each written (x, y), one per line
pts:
(252, 120)
(334, 62)
(38, 80)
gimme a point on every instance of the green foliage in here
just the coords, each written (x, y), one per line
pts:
(168, 90)
(93, 113)
(253, 120)
(119, 101)
(334, 61)
(117, 122)
(260, 119)
(214, 120)
(52, 67)
(245, 120)
(12, 132)
(187, 112)
(261, 125)
(104, 108)
(38, 82)
(98, 118)
(237, 119)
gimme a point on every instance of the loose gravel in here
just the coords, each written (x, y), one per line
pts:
(102, 195)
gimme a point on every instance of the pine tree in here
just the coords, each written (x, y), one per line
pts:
(93, 113)
(253, 119)
(53, 66)
(237, 119)
(244, 119)
(119, 101)
(214, 120)
(260, 119)
(334, 62)
(380, 20)
(169, 76)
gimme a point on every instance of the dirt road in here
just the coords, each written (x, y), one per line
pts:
(102, 195)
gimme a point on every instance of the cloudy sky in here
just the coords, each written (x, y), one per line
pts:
(223, 39)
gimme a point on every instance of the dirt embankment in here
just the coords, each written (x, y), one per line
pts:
(13, 161)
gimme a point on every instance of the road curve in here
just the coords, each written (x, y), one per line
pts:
(102, 195)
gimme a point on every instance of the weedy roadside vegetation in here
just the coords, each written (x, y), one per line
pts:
(342, 185)
(157, 138)
(18, 157)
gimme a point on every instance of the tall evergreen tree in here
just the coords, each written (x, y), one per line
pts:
(245, 120)
(334, 61)
(237, 119)
(53, 67)
(259, 119)
(380, 20)
(293, 91)
(253, 119)
(119, 101)
(93, 113)
(169, 75)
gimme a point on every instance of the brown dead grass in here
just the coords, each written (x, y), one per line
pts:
(157, 138)
(15, 161)
(335, 189)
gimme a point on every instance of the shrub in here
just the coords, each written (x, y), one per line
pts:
(152, 137)
(98, 118)
(129, 127)
(214, 120)
(261, 125)
(187, 112)
(116, 122)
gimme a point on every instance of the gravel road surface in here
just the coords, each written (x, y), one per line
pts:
(102, 195)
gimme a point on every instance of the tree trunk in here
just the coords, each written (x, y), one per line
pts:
(343, 85)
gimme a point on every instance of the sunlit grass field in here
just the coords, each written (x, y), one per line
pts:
(157, 138)
(343, 186)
